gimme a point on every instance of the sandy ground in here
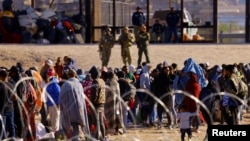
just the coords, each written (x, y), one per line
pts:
(87, 55)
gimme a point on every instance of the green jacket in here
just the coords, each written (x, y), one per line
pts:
(143, 39)
(107, 41)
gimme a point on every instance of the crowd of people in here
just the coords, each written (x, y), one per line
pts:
(107, 100)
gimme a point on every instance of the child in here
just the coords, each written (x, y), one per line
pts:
(184, 117)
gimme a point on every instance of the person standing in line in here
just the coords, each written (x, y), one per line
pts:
(231, 86)
(44, 110)
(107, 42)
(15, 76)
(126, 40)
(53, 94)
(6, 106)
(128, 75)
(59, 68)
(192, 88)
(87, 84)
(113, 106)
(163, 92)
(73, 107)
(69, 63)
(124, 87)
(184, 117)
(138, 19)
(98, 99)
(145, 83)
(172, 20)
(142, 41)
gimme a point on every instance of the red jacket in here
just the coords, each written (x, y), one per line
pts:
(192, 87)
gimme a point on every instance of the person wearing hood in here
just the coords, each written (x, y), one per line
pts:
(73, 107)
(192, 88)
(98, 99)
(143, 97)
(163, 92)
(145, 77)
(86, 84)
(113, 105)
(15, 76)
(48, 64)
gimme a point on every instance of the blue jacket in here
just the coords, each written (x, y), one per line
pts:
(145, 78)
(138, 18)
(53, 90)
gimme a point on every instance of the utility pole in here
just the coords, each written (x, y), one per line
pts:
(114, 17)
(32, 3)
(80, 7)
(89, 20)
(148, 14)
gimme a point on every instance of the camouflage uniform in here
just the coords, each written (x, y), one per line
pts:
(126, 40)
(107, 42)
(142, 41)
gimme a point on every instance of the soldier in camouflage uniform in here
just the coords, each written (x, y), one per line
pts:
(126, 40)
(107, 42)
(142, 41)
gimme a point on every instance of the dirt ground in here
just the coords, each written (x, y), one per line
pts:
(87, 56)
(140, 133)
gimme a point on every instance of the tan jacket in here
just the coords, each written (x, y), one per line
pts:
(126, 40)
